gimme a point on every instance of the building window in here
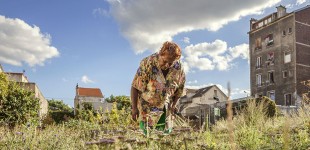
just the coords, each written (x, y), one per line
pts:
(258, 62)
(215, 92)
(258, 79)
(270, 59)
(288, 99)
(258, 44)
(285, 74)
(287, 57)
(271, 95)
(269, 40)
(290, 73)
(260, 24)
(283, 33)
(290, 30)
(271, 77)
(269, 20)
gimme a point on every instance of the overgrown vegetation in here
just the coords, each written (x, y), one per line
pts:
(252, 129)
(58, 112)
(255, 126)
(17, 105)
(121, 101)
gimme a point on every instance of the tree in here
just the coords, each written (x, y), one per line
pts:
(4, 84)
(59, 105)
(122, 101)
(58, 111)
(17, 105)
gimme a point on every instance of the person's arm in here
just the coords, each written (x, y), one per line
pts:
(137, 87)
(179, 92)
(134, 103)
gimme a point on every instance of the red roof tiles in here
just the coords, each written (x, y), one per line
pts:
(94, 92)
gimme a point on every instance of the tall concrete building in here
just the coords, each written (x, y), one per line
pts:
(280, 55)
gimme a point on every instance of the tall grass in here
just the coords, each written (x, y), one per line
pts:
(252, 129)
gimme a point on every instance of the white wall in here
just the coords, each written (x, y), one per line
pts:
(37, 93)
(17, 77)
(208, 97)
(97, 102)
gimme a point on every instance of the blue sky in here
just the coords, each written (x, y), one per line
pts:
(99, 43)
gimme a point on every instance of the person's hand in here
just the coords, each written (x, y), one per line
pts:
(135, 114)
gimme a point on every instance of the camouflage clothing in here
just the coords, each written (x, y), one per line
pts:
(155, 90)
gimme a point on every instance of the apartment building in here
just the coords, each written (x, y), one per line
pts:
(279, 47)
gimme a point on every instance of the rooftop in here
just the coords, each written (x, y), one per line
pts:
(93, 92)
(201, 91)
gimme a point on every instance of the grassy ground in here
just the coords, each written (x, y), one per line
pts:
(251, 129)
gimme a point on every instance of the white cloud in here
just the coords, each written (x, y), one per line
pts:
(101, 12)
(202, 49)
(222, 62)
(192, 82)
(65, 80)
(86, 80)
(185, 66)
(299, 2)
(186, 40)
(239, 93)
(289, 6)
(235, 93)
(22, 43)
(215, 55)
(148, 23)
(240, 51)
(200, 63)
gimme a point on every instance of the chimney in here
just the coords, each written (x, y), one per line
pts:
(252, 21)
(77, 89)
(281, 11)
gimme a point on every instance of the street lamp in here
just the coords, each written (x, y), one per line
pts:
(247, 94)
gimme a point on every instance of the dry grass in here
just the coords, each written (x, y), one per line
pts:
(250, 129)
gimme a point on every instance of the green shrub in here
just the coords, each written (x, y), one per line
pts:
(269, 105)
(60, 116)
(17, 105)
(123, 102)
(118, 117)
(58, 105)
(58, 111)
